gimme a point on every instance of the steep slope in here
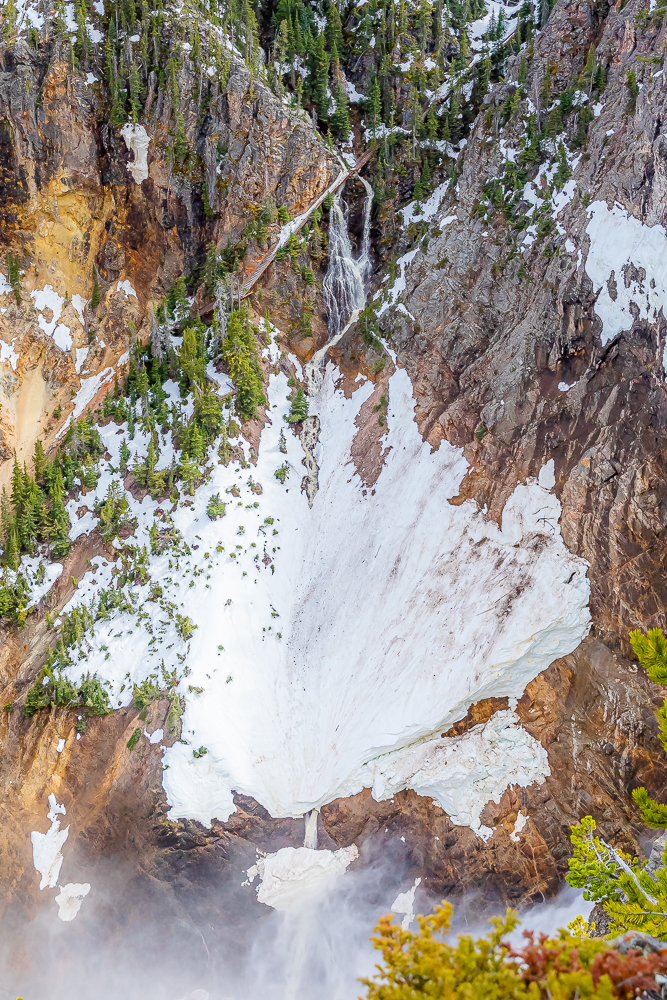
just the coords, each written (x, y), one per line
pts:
(253, 588)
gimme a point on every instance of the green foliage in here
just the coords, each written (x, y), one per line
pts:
(133, 740)
(299, 406)
(14, 595)
(651, 651)
(176, 709)
(215, 508)
(52, 689)
(146, 693)
(632, 898)
(113, 511)
(282, 472)
(95, 298)
(14, 275)
(425, 964)
(184, 627)
(239, 353)
(633, 92)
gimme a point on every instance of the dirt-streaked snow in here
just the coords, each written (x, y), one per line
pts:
(334, 644)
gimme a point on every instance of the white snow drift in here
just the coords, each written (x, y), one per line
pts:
(293, 874)
(627, 263)
(334, 644)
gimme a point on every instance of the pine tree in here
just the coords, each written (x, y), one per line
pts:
(340, 122)
(59, 520)
(444, 130)
(374, 106)
(136, 93)
(631, 897)
(95, 298)
(212, 269)
(426, 179)
(334, 28)
(432, 124)
(39, 462)
(402, 18)
(239, 352)
(423, 23)
(320, 78)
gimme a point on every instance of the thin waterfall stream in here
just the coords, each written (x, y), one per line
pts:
(344, 284)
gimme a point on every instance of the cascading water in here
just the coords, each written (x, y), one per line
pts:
(345, 281)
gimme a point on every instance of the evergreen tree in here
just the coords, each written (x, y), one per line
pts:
(432, 124)
(340, 122)
(454, 122)
(426, 179)
(39, 461)
(374, 106)
(239, 352)
(631, 897)
(136, 93)
(320, 78)
(334, 28)
(444, 130)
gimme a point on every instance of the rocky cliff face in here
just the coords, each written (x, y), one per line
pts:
(533, 335)
(76, 211)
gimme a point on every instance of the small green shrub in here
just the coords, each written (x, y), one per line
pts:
(215, 507)
(134, 739)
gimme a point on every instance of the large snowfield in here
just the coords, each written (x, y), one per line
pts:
(335, 643)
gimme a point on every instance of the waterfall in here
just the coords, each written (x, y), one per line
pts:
(344, 284)
(310, 838)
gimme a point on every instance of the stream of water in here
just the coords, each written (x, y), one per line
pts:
(344, 284)
(345, 281)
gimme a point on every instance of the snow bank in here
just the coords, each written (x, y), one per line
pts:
(69, 899)
(47, 854)
(463, 773)
(7, 353)
(405, 904)
(137, 142)
(295, 873)
(627, 263)
(335, 643)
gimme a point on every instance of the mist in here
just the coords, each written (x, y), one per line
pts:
(139, 938)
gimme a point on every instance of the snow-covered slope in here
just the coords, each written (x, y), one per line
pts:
(328, 637)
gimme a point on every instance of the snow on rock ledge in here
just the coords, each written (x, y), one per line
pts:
(295, 873)
(137, 141)
(627, 263)
(461, 774)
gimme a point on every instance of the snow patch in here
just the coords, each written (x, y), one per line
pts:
(519, 824)
(627, 263)
(81, 355)
(293, 874)
(7, 353)
(47, 855)
(89, 388)
(126, 287)
(461, 774)
(405, 904)
(69, 899)
(137, 141)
